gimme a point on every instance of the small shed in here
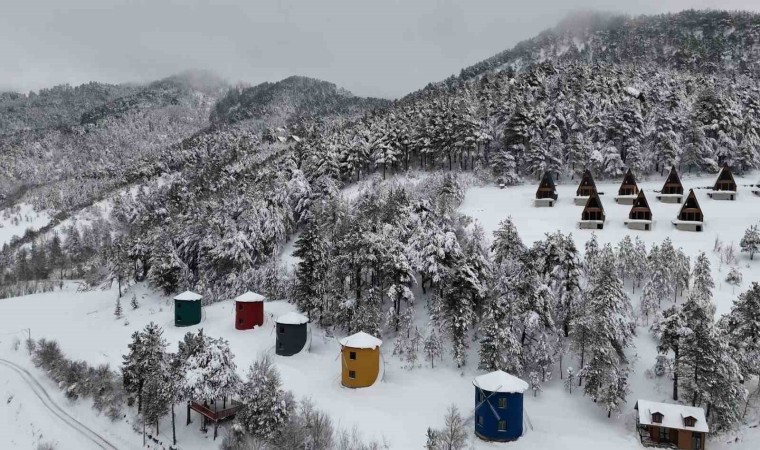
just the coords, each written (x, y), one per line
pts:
(592, 216)
(670, 425)
(499, 406)
(249, 310)
(292, 333)
(640, 216)
(187, 309)
(690, 218)
(672, 190)
(360, 359)
(586, 187)
(628, 190)
(725, 186)
(546, 194)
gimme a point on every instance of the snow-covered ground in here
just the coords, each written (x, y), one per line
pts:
(15, 221)
(400, 408)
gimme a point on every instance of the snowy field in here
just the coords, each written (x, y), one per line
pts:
(399, 409)
(15, 221)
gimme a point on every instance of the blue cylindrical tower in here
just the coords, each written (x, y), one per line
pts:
(499, 406)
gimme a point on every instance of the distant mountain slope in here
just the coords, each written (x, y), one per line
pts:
(704, 41)
(55, 107)
(281, 102)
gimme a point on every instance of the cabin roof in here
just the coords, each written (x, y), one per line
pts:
(641, 201)
(188, 296)
(593, 202)
(249, 297)
(292, 318)
(587, 180)
(725, 174)
(500, 381)
(547, 181)
(690, 203)
(361, 340)
(672, 415)
(629, 179)
(673, 177)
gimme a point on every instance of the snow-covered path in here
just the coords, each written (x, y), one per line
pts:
(39, 391)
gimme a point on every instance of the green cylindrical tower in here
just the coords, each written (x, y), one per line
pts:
(187, 309)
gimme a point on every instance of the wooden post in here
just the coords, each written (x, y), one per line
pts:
(216, 427)
(174, 429)
(188, 414)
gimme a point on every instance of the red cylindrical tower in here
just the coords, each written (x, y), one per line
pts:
(249, 311)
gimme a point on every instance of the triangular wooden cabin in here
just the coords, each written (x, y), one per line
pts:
(592, 216)
(672, 190)
(628, 189)
(690, 218)
(640, 217)
(546, 194)
(586, 187)
(725, 186)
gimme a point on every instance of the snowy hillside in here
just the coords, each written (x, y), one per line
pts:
(400, 407)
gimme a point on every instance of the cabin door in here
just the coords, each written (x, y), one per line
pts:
(696, 441)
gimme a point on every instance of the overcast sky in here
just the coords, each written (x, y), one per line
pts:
(372, 47)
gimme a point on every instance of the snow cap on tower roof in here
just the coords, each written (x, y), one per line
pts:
(249, 297)
(361, 340)
(499, 381)
(188, 296)
(292, 318)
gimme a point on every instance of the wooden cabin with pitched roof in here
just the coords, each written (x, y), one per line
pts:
(672, 190)
(690, 218)
(586, 188)
(668, 425)
(725, 186)
(592, 216)
(546, 195)
(640, 216)
(628, 191)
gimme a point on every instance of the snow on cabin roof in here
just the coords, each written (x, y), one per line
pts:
(292, 318)
(500, 381)
(188, 296)
(361, 340)
(249, 297)
(672, 415)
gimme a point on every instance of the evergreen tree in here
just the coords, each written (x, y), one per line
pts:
(266, 405)
(507, 243)
(750, 242)
(117, 311)
(432, 347)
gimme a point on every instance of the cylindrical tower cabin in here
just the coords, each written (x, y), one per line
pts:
(187, 309)
(292, 333)
(360, 360)
(499, 406)
(249, 310)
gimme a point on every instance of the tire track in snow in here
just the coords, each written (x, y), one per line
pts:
(53, 407)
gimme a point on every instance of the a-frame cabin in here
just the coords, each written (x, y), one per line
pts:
(640, 217)
(672, 190)
(628, 189)
(725, 186)
(690, 218)
(546, 195)
(586, 188)
(592, 216)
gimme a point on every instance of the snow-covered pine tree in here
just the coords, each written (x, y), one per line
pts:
(742, 326)
(609, 331)
(639, 267)
(702, 283)
(734, 278)
(682, 272)
(569, 380)
(147, 353)
(311, 272)
(670, 328)
(624, 257)
(500, 348)
(118, 311)
(507, 243)
(667, 264)
(133, 301)
(266, 404)
(210, 372)
(750, 242)
(432, 346)
(591, 256)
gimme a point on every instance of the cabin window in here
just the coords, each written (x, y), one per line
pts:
(282, 329)
(656, 417)
(352, 356)
(689, 421)
(240, 320)
(240, 307)
(480, 421)
(502, 425)
(663, 434)
(352, 374)
(179, 305)
(503, 403)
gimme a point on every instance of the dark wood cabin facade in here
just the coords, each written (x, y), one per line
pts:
(690, 218)
(640, 209)
(672, 190)
(587, 186)
(725, 181)
(671, 426)
(593, 213)
(628, 186)
(547, 188)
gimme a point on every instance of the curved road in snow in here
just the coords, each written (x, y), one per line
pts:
(53, 407)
